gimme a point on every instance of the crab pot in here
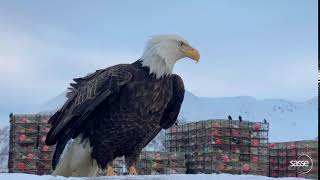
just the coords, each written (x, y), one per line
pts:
(24, 143)
(160, 162)
(221, 145)
(23, 165)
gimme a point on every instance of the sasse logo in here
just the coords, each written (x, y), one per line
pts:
(303, 163)
(296, 163)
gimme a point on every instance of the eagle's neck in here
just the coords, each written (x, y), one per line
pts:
(157, 65)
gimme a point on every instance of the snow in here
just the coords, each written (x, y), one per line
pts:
(19, 176)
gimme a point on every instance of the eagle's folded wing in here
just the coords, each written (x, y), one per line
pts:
(173, 108)
(86, 94)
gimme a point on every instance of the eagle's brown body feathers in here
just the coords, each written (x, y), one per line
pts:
(119, 110)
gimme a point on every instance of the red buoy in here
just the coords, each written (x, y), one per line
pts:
(21, 166)
(246, 168)
(257, 126)
(30, 156)
(226, 158)
(22, 138)
(45, 148)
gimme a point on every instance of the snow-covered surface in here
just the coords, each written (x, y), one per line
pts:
(19, 176)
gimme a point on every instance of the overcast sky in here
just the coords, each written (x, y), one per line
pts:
(259, 48)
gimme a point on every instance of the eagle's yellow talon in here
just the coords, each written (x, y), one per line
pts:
(132, 170)
(110, 171)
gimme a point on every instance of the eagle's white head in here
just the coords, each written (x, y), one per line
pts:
(163, 51)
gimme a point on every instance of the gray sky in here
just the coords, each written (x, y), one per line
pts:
(258, 48)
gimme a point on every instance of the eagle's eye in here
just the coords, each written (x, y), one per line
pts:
(181, 43)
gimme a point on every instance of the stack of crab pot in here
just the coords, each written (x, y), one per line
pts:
(156, 162)
(27, 150)
(23, 144)
(284, 155)
(152, 162)
(229, 146)
(45, 152)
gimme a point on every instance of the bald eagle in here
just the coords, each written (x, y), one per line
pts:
(117, 111)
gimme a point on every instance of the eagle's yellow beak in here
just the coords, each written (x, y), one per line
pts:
(192, 53)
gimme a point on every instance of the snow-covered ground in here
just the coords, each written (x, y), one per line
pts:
(19, 176)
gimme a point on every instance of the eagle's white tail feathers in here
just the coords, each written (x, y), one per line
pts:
(77, 161)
